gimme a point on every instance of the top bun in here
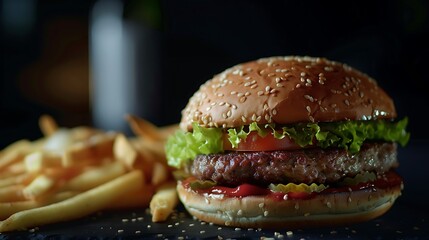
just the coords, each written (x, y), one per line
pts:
(287, 90)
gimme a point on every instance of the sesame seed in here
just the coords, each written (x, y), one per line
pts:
(278, 80)
(274, 112)
(265, 213)
(254, 117)
(303, 74)
(234, 106)
(254, 86)
(247, 78)
(261, 205)
(242, 99)
(267, 117)
(267, 88)
(202, 232)
(347, 102)
(237, 229)
(240, 94)
(271, 74)
(228, 114)
(260, 93)
(302, 79)
(239, 212)
(298, 85)
(265, 106)
(308, 109)
(328, 69)
(247, 84)
(247, 94)
(273, 91)
(233, 92)
(243, 118)
(308, 97)
(279, 85)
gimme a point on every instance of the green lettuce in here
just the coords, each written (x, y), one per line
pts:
(183, 147)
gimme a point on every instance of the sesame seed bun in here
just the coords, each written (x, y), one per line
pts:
(287, 90)
(341, 208)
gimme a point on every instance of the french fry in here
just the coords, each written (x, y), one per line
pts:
(9, 208)
(124, 151)
(58, 141)
(95, 177)
(22, 178)
(40, 185)
(47, 125)
(37, 161)
(81, 170)
(163, 202)
(139, 198)
(149, 131)
(75, 207)
(18, 146)
(96, 148)
(160, 174)
(10, 158)
(11, 193)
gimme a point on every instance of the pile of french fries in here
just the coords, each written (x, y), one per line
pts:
(72, 173)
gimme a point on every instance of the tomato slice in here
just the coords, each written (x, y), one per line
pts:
(254, 142)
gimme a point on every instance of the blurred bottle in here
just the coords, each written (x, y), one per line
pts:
(125, 55)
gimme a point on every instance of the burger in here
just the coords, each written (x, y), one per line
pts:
(288, 142)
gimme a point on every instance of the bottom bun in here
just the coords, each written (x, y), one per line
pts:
(327, 209)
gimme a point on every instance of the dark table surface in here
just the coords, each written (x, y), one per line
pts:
(408, 219)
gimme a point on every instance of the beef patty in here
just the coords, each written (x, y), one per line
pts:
(312, 165)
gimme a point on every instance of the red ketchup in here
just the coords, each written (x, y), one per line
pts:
(390, 179)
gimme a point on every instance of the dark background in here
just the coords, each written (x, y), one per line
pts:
(48, 53)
